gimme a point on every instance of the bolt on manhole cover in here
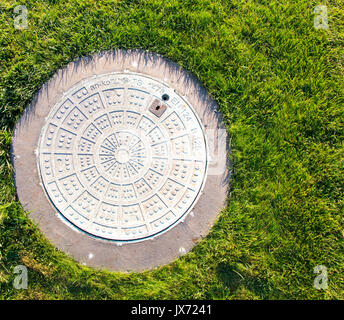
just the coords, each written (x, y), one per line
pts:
(121, 151)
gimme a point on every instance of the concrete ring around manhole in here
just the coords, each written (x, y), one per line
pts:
(121, 160)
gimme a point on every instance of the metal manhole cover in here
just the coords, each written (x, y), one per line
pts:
(121, 161)
(114, 167)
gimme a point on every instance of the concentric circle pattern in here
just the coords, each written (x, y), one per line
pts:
(122, 157)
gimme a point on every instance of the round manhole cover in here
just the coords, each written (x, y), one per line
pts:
(125, 160)
(121, 160)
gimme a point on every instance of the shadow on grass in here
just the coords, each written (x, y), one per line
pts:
(234, 279)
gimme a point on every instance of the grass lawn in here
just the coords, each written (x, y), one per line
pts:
(279, 83)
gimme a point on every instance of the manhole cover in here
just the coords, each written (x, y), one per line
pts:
(121, 161)
(122, 156)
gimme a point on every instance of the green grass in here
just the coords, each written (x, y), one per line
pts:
(279, 84)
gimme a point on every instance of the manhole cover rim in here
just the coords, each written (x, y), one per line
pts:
(102, 254)
(167, 87)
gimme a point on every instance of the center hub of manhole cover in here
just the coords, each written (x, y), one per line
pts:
(122, 157)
